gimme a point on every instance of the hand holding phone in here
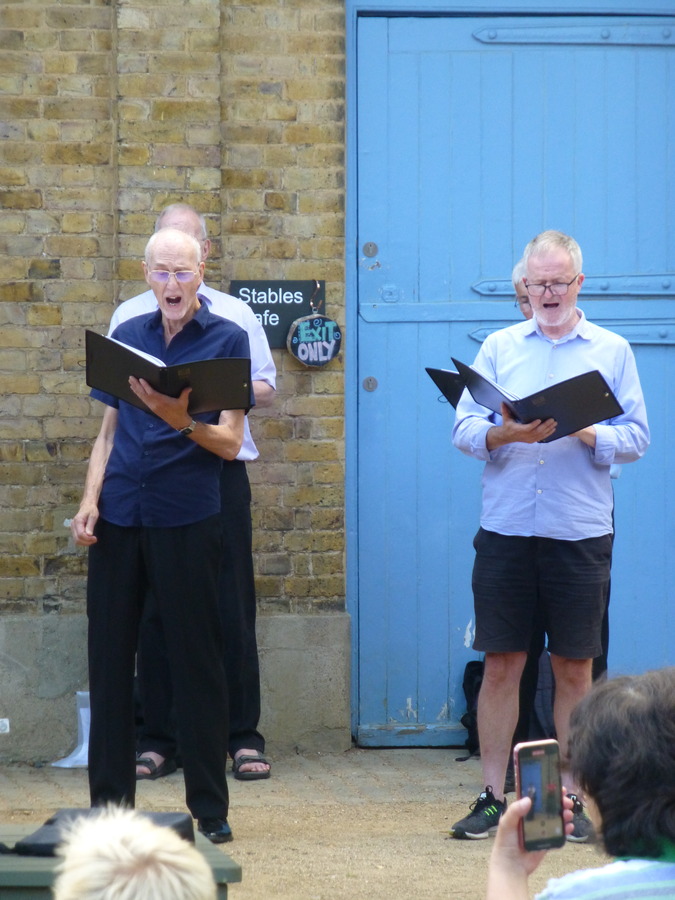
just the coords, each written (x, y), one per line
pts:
(537, 768)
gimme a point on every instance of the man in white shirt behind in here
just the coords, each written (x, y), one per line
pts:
(237, 602)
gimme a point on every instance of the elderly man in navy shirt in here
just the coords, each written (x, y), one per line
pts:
(150, 517)
(544, 546)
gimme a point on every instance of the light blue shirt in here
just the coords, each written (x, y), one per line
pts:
(560, 489)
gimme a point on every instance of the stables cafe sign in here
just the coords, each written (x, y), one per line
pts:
(292, 314)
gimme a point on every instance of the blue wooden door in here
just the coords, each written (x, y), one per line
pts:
(474, 134)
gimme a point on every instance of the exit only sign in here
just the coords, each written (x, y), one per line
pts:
(277, 304)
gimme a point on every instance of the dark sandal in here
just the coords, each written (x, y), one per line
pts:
(249, 776)
(156, 771)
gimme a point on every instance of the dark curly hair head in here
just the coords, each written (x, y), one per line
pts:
(622, 752)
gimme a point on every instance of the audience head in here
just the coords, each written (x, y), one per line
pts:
(121, 855)
(519, 289)
(622, 751)
(186, 218)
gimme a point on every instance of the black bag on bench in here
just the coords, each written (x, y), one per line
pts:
(46, 839)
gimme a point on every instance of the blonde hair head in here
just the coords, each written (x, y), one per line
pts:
(122, 855)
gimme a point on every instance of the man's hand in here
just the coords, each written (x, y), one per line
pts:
(223, 439)
(512, 431)
(83, 524)
(172, 409)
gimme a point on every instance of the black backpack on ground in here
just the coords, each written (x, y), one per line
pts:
(473, 678)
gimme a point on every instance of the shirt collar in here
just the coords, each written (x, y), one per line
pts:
(155, 320)
(581, 329)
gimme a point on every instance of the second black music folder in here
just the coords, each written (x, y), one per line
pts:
(449, 383)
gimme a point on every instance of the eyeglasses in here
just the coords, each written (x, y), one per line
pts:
(162, 277)
(558, 288)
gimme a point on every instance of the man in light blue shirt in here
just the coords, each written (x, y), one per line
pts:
(544, 543)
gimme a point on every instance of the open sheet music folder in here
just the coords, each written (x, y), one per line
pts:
(216, 383)
(574, 403)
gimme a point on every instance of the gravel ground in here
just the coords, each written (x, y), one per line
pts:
(368, 824)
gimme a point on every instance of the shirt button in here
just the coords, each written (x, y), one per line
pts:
(541, 462)
(540, 491)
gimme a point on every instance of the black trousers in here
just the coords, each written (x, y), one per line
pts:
(237, 612)
(180, 567)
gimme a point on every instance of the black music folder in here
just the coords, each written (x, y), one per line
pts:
(574, 403)
(216, 383)
(449, 383)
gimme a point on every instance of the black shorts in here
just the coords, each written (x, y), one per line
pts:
(521, 581)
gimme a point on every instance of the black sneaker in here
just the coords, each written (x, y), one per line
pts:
(584, 832)
(483, 818)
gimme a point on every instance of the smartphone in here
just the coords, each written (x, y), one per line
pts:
(537, 768)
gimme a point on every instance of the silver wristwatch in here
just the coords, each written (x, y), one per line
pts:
(188, 428)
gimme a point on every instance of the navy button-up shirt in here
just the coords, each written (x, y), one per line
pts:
(155, 477)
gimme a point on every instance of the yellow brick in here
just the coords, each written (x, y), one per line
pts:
(40, 544)
(75, 154)
(282, 201)
(245, 201)
(12, 450)
(247, 178)
(20, 16)
(19, 384)
(41, 314)
(88, 18)
(18, 566)
(77, 223)
(315, 89)
(20, 199)
(82, 108)
(280, 249)
(14, 108)
(20, 474)
(12, 177)
(13, 268)
(314, 44)
(63, 245)
(322, 202)
(39, 451)
(44, 268)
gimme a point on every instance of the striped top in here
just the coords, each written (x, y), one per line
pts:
(624, 879)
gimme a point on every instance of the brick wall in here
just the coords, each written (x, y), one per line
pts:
(109, 111)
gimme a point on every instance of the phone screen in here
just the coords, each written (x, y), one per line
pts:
(537, 765)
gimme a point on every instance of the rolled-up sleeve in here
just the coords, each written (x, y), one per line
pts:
(626, 437)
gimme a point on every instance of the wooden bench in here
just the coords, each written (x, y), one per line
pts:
(31, 877)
